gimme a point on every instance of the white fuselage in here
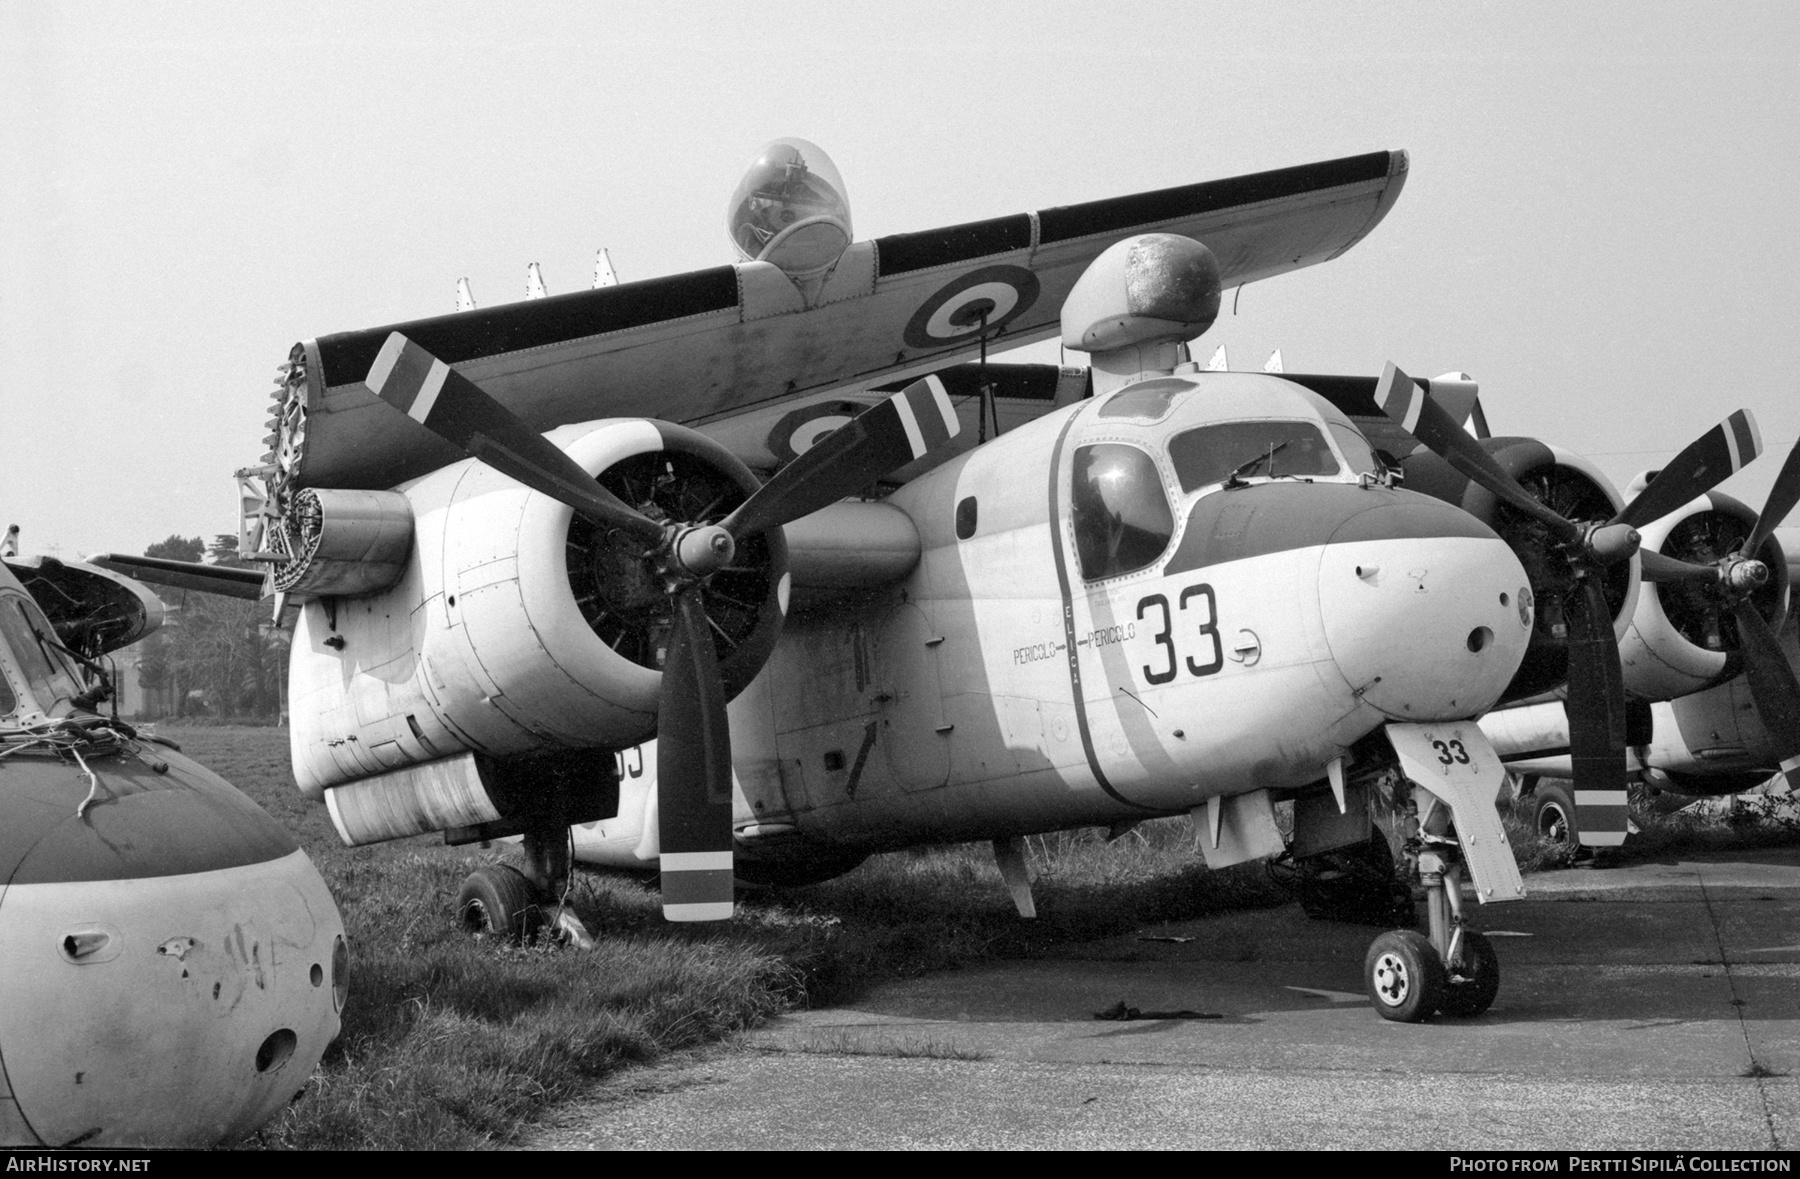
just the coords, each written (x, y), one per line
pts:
(999, 689)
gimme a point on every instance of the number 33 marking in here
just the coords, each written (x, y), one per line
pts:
(1165, 638)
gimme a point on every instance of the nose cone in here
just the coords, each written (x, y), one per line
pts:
(172, 964)
(1426, 611)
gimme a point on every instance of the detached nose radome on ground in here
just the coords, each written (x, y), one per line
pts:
(1426, 611)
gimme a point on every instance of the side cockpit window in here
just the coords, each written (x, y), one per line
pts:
(1121, 515)
(1270, 449)
(1355, 448)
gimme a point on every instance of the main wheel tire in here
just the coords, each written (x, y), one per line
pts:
(1471, 990)
(1405, 976)
(1553, 814)
(498, 901)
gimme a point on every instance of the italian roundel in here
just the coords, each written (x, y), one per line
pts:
(796, 432)
(955, 312)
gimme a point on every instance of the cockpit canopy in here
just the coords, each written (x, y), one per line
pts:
(790, 208)
(1208, 433)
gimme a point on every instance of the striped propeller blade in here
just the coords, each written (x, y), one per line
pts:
(693, 772)
(1405, 403)
(1706, 462)
(456, 409)
(911, 424)
(1596, 709)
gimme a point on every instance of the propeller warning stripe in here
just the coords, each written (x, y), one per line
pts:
(1400, 398)
(906, 427)
(689, 911)
(409, 378)
(697, 896)
(1601, 818)
(704, 861)
(927, 416)
(433, 394)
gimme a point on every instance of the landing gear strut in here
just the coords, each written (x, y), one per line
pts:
(514, 904)
(1410, 976)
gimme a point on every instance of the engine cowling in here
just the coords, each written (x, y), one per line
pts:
(517, 629)
(1574, 487)
(1683, 637)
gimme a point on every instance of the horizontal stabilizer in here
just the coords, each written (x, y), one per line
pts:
(228, 580)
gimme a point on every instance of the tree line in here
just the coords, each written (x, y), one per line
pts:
(214, 656)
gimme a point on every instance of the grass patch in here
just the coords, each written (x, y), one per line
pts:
(451, 1043)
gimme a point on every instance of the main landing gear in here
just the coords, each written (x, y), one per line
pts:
(1411, 976)
(504, 902)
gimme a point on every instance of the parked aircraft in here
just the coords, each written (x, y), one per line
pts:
(1707, 659)
(1153, 591)
(172, 964)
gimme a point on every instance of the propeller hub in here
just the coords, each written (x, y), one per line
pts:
(704, 550)
(1612, 543)
(1744, 574)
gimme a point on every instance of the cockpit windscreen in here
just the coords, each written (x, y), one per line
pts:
(30, 656)
(1272, 449)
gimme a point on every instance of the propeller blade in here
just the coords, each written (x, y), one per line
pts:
(1708, 461)
(693, 772)
(907, 426)
(1782, 498)
(1772, 686)
(1401, 398)
(1662, 568)
(1596, 708)
(456, 409)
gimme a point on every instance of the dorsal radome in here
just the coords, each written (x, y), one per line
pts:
(1139, 302)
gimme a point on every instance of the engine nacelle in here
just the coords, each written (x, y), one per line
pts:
(342, 542)
(1681, 637)
(1573, 486)
(518, 629)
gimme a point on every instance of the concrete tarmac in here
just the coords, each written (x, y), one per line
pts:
(1652, 1007)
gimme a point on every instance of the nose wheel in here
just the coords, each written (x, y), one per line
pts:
(1411, 977)
(1405, 976)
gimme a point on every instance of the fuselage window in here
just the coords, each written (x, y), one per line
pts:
(1212, 454)
(965, 518)
(1121, 515)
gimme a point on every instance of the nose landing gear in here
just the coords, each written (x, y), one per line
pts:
(1410, 976)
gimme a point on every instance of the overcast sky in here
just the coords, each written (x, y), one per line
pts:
(1600, 223)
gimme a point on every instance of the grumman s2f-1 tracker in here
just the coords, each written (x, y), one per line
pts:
(524, 540)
